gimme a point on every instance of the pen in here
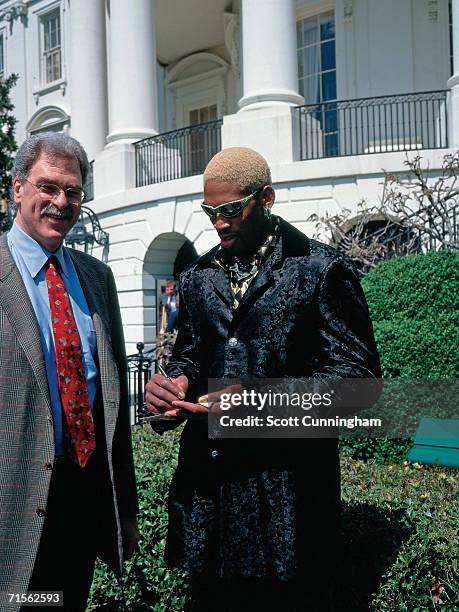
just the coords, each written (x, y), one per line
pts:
(163, 371)
(157, 417)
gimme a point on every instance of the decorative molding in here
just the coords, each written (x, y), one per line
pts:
(55, 85)
(432, 10)
(15, 11)
(173, 76)
(231, 23)
(47, 116)
(348, 11)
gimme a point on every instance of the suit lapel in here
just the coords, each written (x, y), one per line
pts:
(15, 301)
(214, 283)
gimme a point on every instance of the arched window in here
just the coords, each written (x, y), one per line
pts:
(48, 119)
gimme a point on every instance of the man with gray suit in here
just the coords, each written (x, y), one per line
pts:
(67, 485)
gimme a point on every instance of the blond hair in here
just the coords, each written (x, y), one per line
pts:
(239, 165)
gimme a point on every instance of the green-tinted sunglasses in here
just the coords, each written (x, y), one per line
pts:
(229, 209)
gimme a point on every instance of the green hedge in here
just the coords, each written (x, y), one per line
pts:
(148, 584)
(399, 531)
(413, 303)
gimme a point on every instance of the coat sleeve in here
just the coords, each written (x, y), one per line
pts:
(123, 463)
(184, 359)
(347, 347)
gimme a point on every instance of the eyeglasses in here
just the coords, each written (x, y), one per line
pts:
(74, 195)
(229, 209)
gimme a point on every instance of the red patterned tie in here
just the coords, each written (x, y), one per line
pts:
(70, 368)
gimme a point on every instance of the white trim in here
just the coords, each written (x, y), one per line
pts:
(194, 58)
(304, 9)
(37, 121)
(48, 87)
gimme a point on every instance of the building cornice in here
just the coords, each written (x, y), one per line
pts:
(17, 10)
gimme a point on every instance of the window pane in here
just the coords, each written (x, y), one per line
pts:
(2, 65)
(331, 145)
(301, 87)
(312, 89)
(52, 65)
(310, 32)
(46, 39)
(328, 55)
(327, 27)
(311, 60)
(300, 64)
(329, 86)
(330, 118)
(299, 35)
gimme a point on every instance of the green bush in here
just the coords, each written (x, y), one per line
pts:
(399, 531)
(148, 584)
(413, 303)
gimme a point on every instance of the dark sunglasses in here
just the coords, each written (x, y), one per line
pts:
(229, 209)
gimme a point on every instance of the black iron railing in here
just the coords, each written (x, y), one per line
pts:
(176, 154)
(89, 184)
(140, 368)
(383, 124)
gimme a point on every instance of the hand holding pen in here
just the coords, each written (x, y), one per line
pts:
(160, 393)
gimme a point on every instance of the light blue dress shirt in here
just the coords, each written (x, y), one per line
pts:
(30, 259)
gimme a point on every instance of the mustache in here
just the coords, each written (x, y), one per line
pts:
(50, 209)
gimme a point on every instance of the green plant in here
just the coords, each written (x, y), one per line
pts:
(148, 584)
(7, 126)
(413, 303)
(399, 530)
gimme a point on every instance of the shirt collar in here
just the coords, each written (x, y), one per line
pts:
(34, 255)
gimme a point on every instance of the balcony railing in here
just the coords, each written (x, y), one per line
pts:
(89, 185)
(176, 154)
(384, 124)
(140, 367)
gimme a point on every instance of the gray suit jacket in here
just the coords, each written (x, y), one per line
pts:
(26, 424)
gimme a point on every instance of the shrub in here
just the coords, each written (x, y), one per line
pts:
(413, 303)
(148, 584)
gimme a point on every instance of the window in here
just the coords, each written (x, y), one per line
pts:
(2, 60)
(204, 114)
(52, 53)
(202, 143)
(317, 73)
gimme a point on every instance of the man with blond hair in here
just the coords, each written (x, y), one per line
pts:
(256, 521)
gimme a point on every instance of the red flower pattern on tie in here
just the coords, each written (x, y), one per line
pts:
(73, 389)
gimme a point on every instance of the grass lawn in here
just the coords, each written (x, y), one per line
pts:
(400, 533)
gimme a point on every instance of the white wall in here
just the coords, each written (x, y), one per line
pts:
(391, 46)
(136, 218)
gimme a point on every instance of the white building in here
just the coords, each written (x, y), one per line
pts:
(195, 75)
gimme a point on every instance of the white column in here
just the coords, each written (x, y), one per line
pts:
(267, 120)
(133, 90)
(88, 63)
(269, 58)
(453, 83)
(455, 20)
